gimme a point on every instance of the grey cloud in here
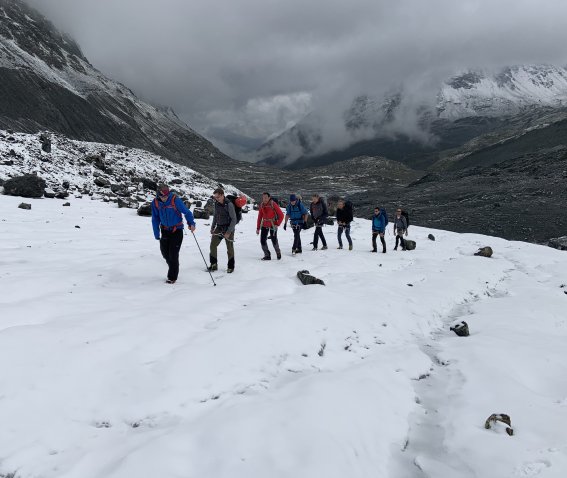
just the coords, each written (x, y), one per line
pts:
(228, 64)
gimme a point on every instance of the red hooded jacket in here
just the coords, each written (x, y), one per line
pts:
(269, 215)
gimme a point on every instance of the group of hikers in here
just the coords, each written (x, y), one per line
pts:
(168, 211)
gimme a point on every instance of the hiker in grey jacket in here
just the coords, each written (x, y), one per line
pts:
(223, 226)
(319, 213)
(400, 228)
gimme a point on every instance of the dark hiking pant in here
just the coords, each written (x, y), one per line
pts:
(346, 230)
(400, 239)
(319, 234)
(374, 235)
(296, 237)
(169, 245)
(273, 235)
(216, 239)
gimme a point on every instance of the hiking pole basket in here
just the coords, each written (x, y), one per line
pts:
(210, 273)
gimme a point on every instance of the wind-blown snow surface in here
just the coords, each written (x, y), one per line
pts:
(106, 371)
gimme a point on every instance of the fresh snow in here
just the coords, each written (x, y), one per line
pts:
(106, 371)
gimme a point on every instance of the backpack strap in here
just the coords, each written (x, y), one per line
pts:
(174, 207)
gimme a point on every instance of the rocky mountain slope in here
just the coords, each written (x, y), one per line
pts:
(46, 83)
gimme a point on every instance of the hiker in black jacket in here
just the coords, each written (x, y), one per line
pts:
(344, 218)
(319, 213)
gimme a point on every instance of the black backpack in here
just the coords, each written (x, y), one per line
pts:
(238, 210)
(406, 215)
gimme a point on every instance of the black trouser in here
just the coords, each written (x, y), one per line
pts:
(264, 231)
(319, 234)
(400, 239)
(296, 228)
(381, 234)
(216, 239)
(169, 245)
(346, 229)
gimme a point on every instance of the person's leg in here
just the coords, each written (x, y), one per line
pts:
(374, 247)
(175, 242)
(215, 241)
(324, 242)
(230, 251)
(297, 234)
(383, 241)
(264, 241)
(397, 240)
(275, 243)
(403, 242)
(164, 245)
(347, 234)
(339, 234)
(316, 237)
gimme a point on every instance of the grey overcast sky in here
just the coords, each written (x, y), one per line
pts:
(252, 67)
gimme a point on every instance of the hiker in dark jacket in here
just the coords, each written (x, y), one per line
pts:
(167, 219)
(297, 215)
(344, 218)
(270, 216)
(319, 213)
(223, 226)
(400, 228)
(378, 229)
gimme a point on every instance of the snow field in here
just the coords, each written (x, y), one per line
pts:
(108, 372)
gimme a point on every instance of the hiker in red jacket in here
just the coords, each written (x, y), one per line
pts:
(270, 216)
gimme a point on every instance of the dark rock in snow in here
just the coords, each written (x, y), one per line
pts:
(102, 182)
(45, 142)
(126, 203)
(199, 213)
(28, 186)
(146, 183)
(8, 163)
(24, 205)
(119, 189)
(499, 417)
(62, 195)
(48, 193)
(199, 204)
(66, 204)
(558, 243)
(410, 245)
(484, 252)
(176, 181)
(307, 279)
(66, 185)
(431, 237)
(145, 210)
(462, 329)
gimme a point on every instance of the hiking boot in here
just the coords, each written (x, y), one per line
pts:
(297, 251)
(314, 249)
(266, 258)
(384, 251)
(213, 267)
(373, 250)
(350, 247)
(279, 255)
(340, 247)
(396, 248)
(229, 270)
(324, 248)
(169, 281)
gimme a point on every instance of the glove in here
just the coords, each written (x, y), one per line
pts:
(285, 226)
(157, 238)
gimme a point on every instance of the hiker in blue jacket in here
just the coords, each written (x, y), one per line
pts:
(379, 223)
(167, 211)
(296, 213)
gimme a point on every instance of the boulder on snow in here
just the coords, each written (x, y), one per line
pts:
(462, 329)
(45, 140)
(102, 182)
(307, 279)
(66, 204)
(145, 209)
(126, 203)
(410, 245)
(199, 213)
(431, 237)
(499, 417)
(199, 204)
(146, 183)
(62, 194)
(484, 252)
(24, 205)
(28, 186)
(119, 189)
(49, 193)
(176, 181)
(558, 243)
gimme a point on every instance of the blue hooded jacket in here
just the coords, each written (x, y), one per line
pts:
(379, 222)
(165, 215)
(296, 212)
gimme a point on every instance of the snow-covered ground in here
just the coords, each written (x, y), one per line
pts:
(107, 372)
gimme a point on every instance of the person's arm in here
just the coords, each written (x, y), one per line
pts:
(232, 214)
(181, 207)
(279, 213)
(155, 220)
(259, 220)
(214, 223)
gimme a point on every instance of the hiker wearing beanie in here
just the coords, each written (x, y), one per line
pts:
(296, 213)
(270, 216)
(167, 222)
(400, 228)
(379, 223)
(223, 227)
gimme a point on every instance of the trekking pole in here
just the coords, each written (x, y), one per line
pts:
(210, 273)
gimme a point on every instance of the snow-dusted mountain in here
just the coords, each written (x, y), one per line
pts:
(100, 171)
(405, 122)
(46, 83)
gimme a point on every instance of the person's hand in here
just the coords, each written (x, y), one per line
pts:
(212, 231)
(257, 231)
(191, 228)
(406, 233)
(285, 226)
(157, 238)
